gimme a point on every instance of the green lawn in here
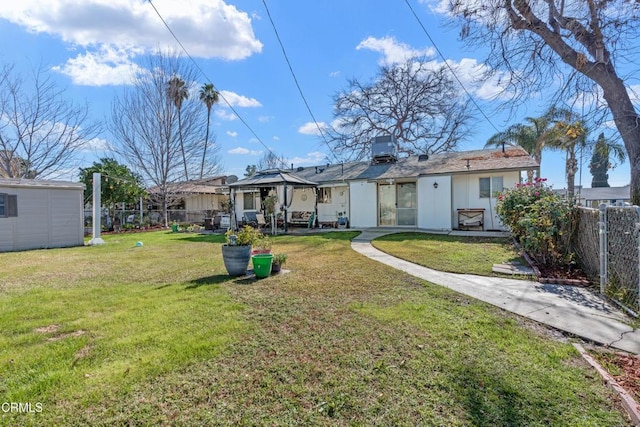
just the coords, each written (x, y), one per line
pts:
(454, 254)
(160, 335)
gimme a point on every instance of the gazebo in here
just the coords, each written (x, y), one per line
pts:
(273, 178)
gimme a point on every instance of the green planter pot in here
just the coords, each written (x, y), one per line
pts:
(236, 259)
(174, 228)
(262, 265)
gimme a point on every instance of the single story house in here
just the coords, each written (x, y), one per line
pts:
(40, 214)
(444, 191)
(593, 197)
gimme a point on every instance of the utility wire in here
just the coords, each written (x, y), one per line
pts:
(209, 80)
(449, 66)
(295, 79)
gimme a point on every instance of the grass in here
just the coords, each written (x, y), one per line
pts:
(454, 254)
(159, 335)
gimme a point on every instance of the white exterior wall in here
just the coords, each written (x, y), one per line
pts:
(302, 199)
(202, 202)
(364, 204)
(466, 195)
(48, 217)
(328, 212)
(434, 204)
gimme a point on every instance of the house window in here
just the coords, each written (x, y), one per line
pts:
(324, 195)
(485, 187)
(489, 187)
(8, 205)
(249, 201)
(496, 185)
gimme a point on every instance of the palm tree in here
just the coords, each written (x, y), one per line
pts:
(208, 95)
(533, 137)
(177, 92)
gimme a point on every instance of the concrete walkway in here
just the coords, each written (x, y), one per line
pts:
(568, 308)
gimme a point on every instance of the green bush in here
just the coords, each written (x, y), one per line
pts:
(539, 219)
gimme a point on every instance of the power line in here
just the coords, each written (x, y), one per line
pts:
(209, 80)
(295, 79)
(449, 66)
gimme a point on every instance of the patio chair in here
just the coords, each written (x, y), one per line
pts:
(261, 221)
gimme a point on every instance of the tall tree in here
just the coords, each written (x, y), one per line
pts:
(594, 39)
(40, 131)
(601, 162)
(209, 96)
(250, 171)
(144, 125)
(178, 92)
(270, 161)
(417, 104)
(599, 165)
(533, 136)
(119, 183)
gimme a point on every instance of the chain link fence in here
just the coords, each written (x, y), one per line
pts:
(149, 218)
(607, 243)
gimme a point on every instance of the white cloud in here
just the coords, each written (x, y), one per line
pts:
(111, 32)
(236, 100)
(310, 128)
(276, 138)
(96, 144)
(265, 119)
(334, 74)
(393, 51)
(312, 158)
(207, 28)
(225, 114)
(244, 151)
(108, 66)
(232, 134)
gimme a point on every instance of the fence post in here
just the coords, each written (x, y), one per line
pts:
(638, 266)
(602, 234)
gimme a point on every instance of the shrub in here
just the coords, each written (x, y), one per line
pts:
(247, 236)
(539, 219)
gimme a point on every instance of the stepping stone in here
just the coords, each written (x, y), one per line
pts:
(513, 269)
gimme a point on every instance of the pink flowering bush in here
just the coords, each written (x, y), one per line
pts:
(539, 219)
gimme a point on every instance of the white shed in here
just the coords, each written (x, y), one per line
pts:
(40, 214)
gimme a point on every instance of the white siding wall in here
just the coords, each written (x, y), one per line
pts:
(47, 218)
(466, 195)
(328, 212)
(363, 203)
(302, 199)
(434, 204)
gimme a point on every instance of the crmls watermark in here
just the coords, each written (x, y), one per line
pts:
(21, 407)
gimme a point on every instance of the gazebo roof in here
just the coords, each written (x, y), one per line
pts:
(271, 177)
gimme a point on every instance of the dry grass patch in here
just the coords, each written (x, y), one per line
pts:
(341, 340)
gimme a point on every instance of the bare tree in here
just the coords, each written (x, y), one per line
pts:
(416, 103)
(40, 131)
(270, 161)
(583, 45)
(149, 136)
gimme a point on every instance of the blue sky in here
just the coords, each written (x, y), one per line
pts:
(92, 46)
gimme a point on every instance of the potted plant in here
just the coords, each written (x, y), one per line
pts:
(278, 262)
(262, 245)
(236, 253)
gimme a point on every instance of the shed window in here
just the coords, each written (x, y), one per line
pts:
(489, 187)
(8, 205)
(324, 195)
(249, 201)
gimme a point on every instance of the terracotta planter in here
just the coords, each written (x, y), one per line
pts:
(236, 259)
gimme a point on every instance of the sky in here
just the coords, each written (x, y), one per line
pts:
(92, 47)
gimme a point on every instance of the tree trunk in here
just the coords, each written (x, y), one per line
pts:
(206, 142)
(184, 157)
(572, 169)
